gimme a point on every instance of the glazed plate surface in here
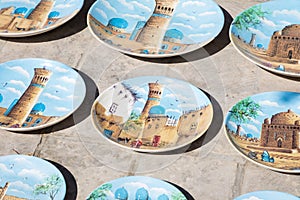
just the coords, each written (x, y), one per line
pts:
(155, 28)
(152, 113)
(136, 187)
(267, 195)
(268, 35)
(264, 128)
(29, 177)
(27, 18)
(37, 93)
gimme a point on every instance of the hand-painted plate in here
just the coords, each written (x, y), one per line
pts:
(265, 129)
(136, 187)
(155, 28)
(268, 34)
(36, 93)
(152, 113)
(32, 17)
(29, 177)
(267, 195)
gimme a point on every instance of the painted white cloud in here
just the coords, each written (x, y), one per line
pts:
(32, 173)
(101, 12)
(136, 185)
(255, 121)
(252, 198)
(267, 22)
(20, 70)
(21, 185)
(141, 6)
(14, 90)
(251, 127)
(234, 126)
(193, 3)
(199, 35)
(285, 12)
(174, 110)
(19, 83)
(268, 103)
(186, 17)
(63, 6)
(108, 6)
(138, 17)
(284, 23)
(5, 170)
(59, 87)
(260, 113)
(210, 25)
(183, 25)
(208, 13)
(141, 100)
(259, 33)
(19, 1)
(67, 79)
(60, 69)
(156, 192)
(51, 96)
(62, 109)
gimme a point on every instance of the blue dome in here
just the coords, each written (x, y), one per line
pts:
(141, 194)
(1, 98)
(21, 10)
(118, 22)
(121, 194)
(174, 33)
(163, 197)
(157, 110)
(53, 14)
(39, 107)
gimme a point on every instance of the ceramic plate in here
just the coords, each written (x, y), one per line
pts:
(265, 129)
(36, 93)
(268, 35)
(26, 18)
(155, 28)
(29, 177)
(267, 195)
(152, 113)
(136, 187)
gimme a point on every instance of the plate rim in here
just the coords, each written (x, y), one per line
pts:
(79, 78)
(43, 30)
(278, 72)
(244, 155)
(95, 125)
(154, 56)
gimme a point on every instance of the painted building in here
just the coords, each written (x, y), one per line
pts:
(3, 195)
(21, 19)
(282, 131)
(25, 111)
(285, 43)
(155, 28)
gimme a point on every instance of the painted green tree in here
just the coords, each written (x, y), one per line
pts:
(243, 112)
(100, 193)
(251, 17)
(178, 196)
(50, 187)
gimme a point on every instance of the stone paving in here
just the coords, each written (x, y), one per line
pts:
(208, 169)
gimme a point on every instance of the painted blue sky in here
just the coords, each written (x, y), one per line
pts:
(24, 172)
(64, 7)
(178, 96)
(199, 20)
(267, 195)
(155, 187)
(281, 14)
(63, 93)
(271, 103)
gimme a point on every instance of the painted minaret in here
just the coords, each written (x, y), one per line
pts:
(153, 32)
(29, 98)
(40, 13)
(154, 96)
(3, 191)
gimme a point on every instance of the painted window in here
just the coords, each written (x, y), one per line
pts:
(175, 48)
(29, 119)
(24, 125)
(121, 36)
(38, 120)
(113, 108)
(164, 46)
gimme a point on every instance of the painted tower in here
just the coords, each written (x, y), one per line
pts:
(29, 98)
(154, 96)
(3, 191)
(153, 32)
(40, 14)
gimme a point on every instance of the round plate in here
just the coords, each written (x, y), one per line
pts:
(155, 28)
(152, 113)
(29, 177)
(136, 187)
(36, 93)
(27, 18)
(268, 35)
(265, 129)
(267, 195)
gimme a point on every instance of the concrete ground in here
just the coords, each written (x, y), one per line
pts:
(210, 168)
